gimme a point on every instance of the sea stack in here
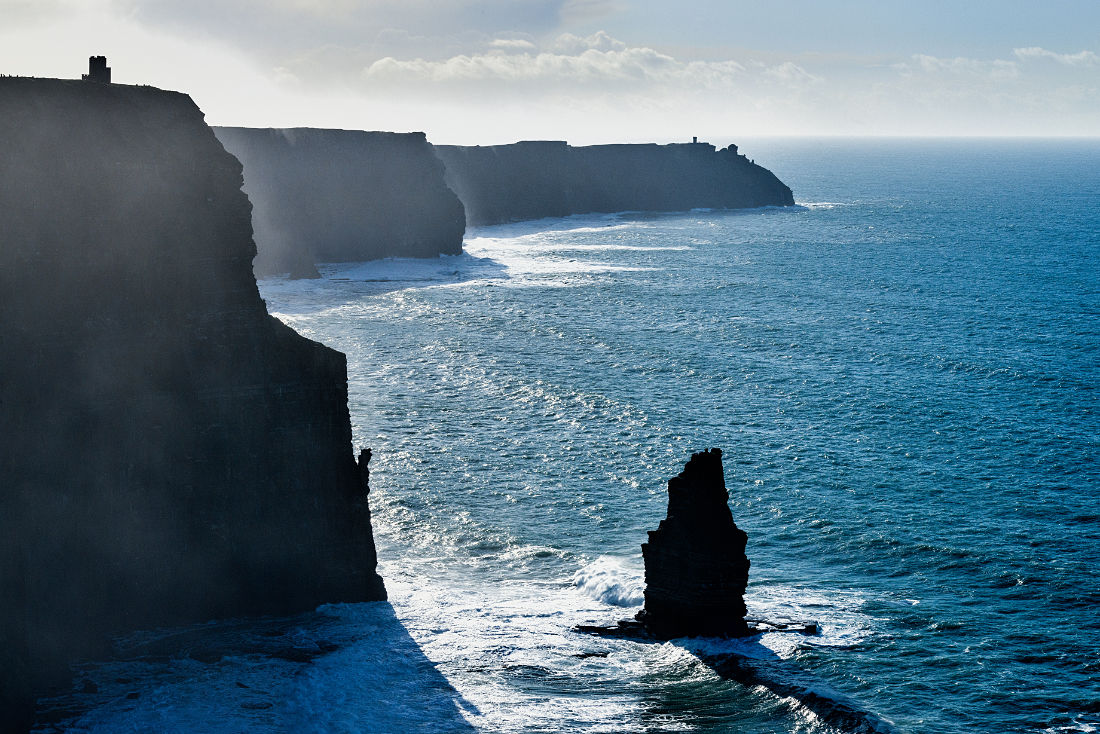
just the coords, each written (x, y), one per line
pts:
(695, 563)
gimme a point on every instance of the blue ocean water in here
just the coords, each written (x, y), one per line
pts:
(901, 371)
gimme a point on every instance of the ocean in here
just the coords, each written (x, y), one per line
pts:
(901, 372)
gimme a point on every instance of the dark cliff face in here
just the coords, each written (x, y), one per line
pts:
(695, 564)
(343, 195)
(535, 179)
(170, 451)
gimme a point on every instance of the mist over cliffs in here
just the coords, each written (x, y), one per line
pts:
(535, 179)
(170, 451)
(343, 195)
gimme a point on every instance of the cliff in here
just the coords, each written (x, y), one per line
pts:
(696, 569)
(170, 452)
(343, 195)
(535, 179)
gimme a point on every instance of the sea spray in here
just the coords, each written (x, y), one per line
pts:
(611, 581)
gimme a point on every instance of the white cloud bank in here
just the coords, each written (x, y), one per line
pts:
(367, 65)
(1082, 58)
(638, 92)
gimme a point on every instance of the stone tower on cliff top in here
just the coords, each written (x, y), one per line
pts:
(696, 569)
(98, 71)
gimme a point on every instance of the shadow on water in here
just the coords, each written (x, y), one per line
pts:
(343, 667)
(752, 664)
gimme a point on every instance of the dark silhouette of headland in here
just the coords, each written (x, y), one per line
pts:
(536, 179)
(345, 195)
(170, 452)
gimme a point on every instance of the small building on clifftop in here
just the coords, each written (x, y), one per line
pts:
(98, 71)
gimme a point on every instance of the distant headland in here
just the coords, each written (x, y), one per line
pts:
(536, 179)
(343, 195)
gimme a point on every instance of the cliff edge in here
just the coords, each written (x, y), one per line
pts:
(343, 196)
(170, 452)
(535, 179)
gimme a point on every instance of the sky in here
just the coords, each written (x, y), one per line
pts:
(591, 71)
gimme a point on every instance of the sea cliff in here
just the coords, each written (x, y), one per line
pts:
(535, 179)
(170, 451)
(343, 195)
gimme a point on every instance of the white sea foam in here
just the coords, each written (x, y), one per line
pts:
(611, 581)
(838, 614)
(556, 247)
(1087, 727)
(571, 225)
(510, 651)
(520, 259)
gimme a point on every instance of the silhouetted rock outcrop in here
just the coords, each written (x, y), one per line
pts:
(170, 452)
(695, 564)
(535, 179)
(343, 196)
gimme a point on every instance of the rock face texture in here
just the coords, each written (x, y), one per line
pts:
(695, 564)
(343, 196)
(535, 179)
(170, 452)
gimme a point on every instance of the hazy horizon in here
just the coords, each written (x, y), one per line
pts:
(591, 71)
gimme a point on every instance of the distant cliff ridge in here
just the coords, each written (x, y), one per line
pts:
(535, 179)
(343, 195)
(170, 452)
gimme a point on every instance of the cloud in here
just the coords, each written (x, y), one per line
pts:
(597, 64)
(274, 28)
(792, 74)
(541, 70)
(28, 13)
(512, 44)
(567, 43)
(485, 71)
(597, 88)
(1081, 58)
(962, 66)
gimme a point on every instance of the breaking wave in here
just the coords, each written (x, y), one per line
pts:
(609, 580)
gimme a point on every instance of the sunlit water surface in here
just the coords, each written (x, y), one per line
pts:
(902, 373)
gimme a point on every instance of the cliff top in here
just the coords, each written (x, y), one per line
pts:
(290, 132)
